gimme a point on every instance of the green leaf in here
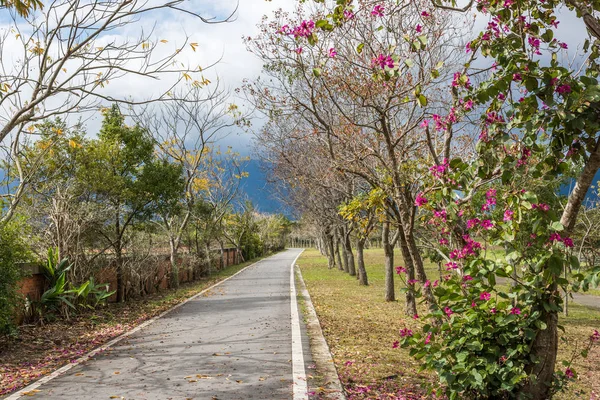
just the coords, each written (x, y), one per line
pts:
(317, 72)
(359, 48)
(422, 100)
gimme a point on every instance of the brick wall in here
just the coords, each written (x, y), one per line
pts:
(33, 284)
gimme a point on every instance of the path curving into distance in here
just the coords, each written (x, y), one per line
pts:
(240, 340)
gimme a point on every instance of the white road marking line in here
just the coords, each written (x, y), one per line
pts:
(86, 357)
(298, 372)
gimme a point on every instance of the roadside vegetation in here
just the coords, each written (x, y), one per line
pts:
(362, 331)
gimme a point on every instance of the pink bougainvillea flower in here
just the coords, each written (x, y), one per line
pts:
(485, 296)
(487, 224)
(332, 52)
(428, 338)
(508, 215)
(467, 278)
(416, 316)
(569, 373)
(348, 363)
(448, 311)
(412, 281)
(424, 124)
(451, 265)
(541, 206)
(555, 237)
(427, 283)
(378, 10)
(405, 332)
(493, 310)
(568, 242)
(395, 344)
(563, 89)
(298, 50)
(420, 200)
(425, 14)
(595, 336)
(517, 77)
(348, 14)
(472, 223)
(515, 311)
(382, 61)
(400, 270)
(444, 241)
(305, 29)
(419, 28)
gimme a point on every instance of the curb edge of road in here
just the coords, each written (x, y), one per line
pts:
(318, 345)
(62, 370)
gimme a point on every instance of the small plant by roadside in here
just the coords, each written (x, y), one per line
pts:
(62, 298)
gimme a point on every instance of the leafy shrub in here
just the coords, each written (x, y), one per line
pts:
(62, 297)
(12, 251)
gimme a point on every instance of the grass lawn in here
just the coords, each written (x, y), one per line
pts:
(39, 350)
(360, 328)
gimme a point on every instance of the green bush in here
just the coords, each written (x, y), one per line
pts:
(12, 251)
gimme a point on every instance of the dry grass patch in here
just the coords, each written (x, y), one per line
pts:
(360, 328)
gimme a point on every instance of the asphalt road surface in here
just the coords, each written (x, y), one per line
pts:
(234, 342)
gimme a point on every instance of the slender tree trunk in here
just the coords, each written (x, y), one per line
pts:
(174, 265)
(344, 251)
(338, 258)
(411, 303)
(330, 252)
(388, 250)
(208, 258)
(351, 265)
(119, 258)
(360, 261)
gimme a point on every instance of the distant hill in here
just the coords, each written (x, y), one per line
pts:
(259, 191)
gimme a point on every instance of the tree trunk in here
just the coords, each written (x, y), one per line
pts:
(174, 265)
(330, 252)
(360, 261)
(338, 258)
(344, 251)
(388, 250)
(411, 303)
(351, 265)
(119, 258)
(119, 270)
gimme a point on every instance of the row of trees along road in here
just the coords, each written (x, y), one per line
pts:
(394, 118)
(151, 180)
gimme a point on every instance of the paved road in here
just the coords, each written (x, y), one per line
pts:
(233, 343)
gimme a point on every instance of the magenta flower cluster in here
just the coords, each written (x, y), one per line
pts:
(471, 248)
(420, 200)
(490, 200)
(305, 29)
(439, 170)
(382, 61)
(378, 10)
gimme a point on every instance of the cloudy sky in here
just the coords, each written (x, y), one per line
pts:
(220, 43)
(215, 42)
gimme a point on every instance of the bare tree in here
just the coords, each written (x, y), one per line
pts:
(186, 131)
(66, 57)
